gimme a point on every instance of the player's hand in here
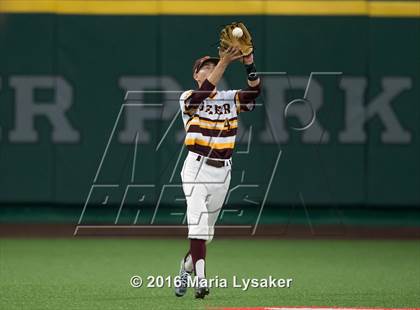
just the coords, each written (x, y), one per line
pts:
(230, 54)
(247, 60)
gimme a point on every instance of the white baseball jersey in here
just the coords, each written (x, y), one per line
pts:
(211, 130)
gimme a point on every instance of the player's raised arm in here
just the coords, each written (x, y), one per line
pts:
(246, 98)
(253, 78)
(226, 57)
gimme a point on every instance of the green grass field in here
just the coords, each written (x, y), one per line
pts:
(83, 273)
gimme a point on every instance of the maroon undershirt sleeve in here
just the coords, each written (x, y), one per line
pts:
(249, 94)
(197, 96)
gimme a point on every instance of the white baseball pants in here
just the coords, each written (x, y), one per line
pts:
(205, 188)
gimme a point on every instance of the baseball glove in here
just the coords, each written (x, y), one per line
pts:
(243, 43)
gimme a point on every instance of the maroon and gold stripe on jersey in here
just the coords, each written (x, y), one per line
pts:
(213, 138)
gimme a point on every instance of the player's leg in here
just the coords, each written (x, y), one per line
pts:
(216, 200)
(216, 181)
(198, 253)
(186, 262)
(198, 218)
(195, 194)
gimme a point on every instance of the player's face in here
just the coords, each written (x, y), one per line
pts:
(204, 72)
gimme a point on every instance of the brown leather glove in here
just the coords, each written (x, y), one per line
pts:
(227, 39)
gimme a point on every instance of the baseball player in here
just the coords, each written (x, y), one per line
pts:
(210, 119)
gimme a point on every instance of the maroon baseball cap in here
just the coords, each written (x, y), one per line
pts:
(201, 61)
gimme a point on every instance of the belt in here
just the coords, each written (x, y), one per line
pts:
(215, 163)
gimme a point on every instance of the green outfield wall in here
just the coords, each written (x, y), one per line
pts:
(66, 126)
